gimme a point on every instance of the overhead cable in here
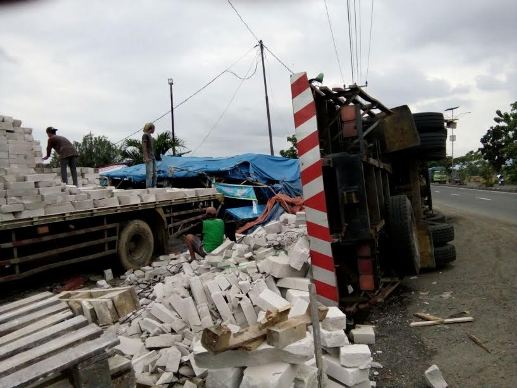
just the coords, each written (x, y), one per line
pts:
(278, 59)
(211, 81)
(242, 80)
(243, 21)
(355, 40)
(334, 41)
(350, 40)
(369, 44)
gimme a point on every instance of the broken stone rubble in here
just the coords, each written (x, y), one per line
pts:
(183, 299)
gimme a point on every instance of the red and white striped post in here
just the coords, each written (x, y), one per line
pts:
(322, 261)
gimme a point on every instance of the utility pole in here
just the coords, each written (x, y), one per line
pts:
(172, 119)
(267, 99)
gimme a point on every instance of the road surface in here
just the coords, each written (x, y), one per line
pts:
(481, 283)
(494, 204)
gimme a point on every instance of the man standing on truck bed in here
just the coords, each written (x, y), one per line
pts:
(149, 157)
(213, 235)
(66, 151)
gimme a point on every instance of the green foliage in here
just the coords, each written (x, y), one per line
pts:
(291, 152)
(96, 151)
(473, 164)
(54, 160)
(132, 152)
(500, 143)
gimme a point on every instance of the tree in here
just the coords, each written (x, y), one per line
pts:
(132, 152)
(291, 152)
(96, 151)
(499, 143)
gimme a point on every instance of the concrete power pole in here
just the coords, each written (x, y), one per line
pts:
(267, 100)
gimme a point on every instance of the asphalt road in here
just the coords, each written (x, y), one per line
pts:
(494, 204)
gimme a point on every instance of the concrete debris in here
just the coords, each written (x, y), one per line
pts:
(363, 334)
(235, 286)
(434, 377)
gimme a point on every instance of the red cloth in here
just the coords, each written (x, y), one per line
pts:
(290, 205)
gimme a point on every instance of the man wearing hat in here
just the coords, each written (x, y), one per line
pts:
(66, 151)
(149, 157)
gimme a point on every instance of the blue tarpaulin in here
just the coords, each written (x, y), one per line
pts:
(281, 173)
(236, 191)
(246, 212)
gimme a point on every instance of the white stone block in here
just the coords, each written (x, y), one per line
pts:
(130, 346)
(224, 378)
(334, 320)
(173, 360)
(191, 312)
(355, 356)
(279, 267)
(142, 362)
(363, 334)
(298, 307)
(291, 295)
(162, 341)
(347, 376)
(295, 283)
(434, 377)
(274, 375)
(105, 202)
(124, 200)
(270, 282)
(268, 300)
(65, 207)
(223, 307)
(299, 253)
(249, 311)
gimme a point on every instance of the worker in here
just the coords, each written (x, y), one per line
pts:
(213, 235)
(149, 156)
(66, 152)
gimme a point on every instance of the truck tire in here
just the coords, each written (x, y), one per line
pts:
(135, 245)
(428, 121)
(403, 236)
(444, 254)
(441, 233)
(436, 217)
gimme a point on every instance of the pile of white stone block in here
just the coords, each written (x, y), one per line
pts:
(18, 149)
(235, 285)
(86, 176)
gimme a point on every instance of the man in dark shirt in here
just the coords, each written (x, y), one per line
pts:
(149, 157)
(66, 152)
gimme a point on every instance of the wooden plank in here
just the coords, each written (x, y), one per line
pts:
(59, 362)
(34, 327)
(20, 322)
(442, 321)
(220, 338)
(40, 337)
(29, 309)
(31, 356)
(23, 302)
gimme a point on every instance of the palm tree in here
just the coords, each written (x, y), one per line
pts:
(133, 153)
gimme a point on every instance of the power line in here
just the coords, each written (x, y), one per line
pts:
(369, 44)
(243, 21)
(355, 39)
(334, 41)
(227, 70)
(350, 39)
(242, 79)
(278, 59)
(360, 44)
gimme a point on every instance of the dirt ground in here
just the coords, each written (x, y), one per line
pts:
(482, 281)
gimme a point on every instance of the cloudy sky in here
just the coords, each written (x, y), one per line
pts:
(102, 66)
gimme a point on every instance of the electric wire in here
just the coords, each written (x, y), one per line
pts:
(355, 39)
(278, 59)
(369, 44)
(243, 21)
(360, 44)
(334, 41)
(211, 81)
(242, 80)
(350, 40)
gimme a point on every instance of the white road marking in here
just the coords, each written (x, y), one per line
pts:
(437, 191)
(484, 199)
(456, 195)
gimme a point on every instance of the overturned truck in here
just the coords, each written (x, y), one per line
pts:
(367, 192)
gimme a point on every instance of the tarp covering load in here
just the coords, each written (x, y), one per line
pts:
(254, 168)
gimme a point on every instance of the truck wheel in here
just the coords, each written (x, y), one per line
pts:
(436, 217)
(403, 236)
(444, 254)
(428, 121)
(442, 233)
(135, 245)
